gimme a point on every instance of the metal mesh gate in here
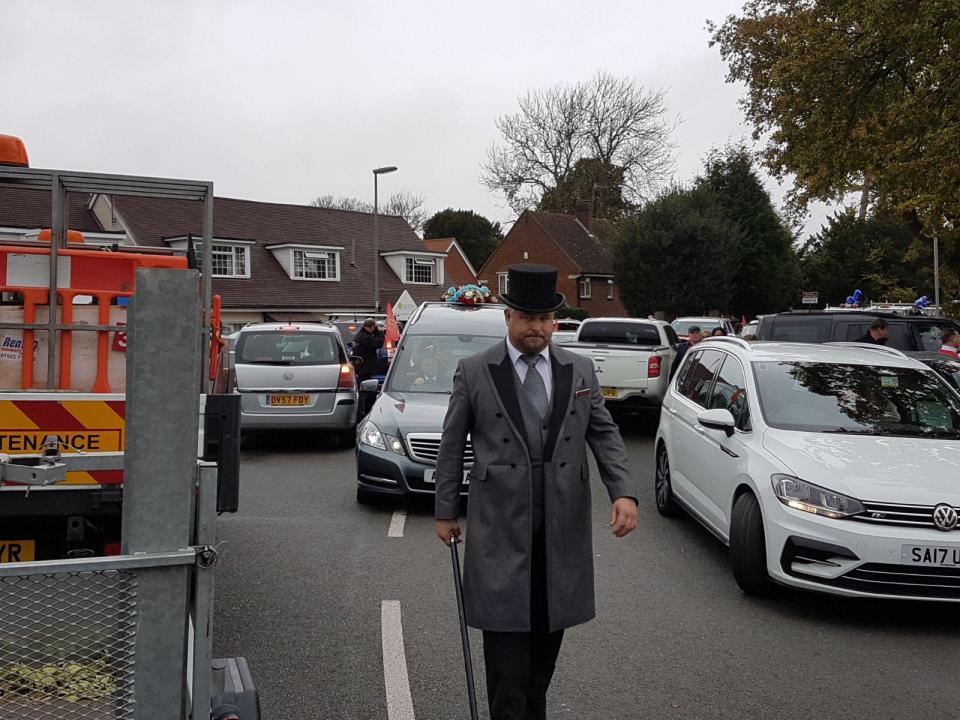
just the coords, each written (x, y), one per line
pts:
(67, 645)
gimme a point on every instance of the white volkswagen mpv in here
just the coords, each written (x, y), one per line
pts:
(827, 467)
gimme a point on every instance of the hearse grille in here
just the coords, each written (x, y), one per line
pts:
(426, 446)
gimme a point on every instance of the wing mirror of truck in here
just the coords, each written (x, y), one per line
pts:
(718, 419)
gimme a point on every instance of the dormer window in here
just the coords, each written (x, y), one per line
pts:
(421, 271)
(316, 265)
(229, 261)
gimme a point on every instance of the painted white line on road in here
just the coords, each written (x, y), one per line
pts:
(397, 522)
(399, 701)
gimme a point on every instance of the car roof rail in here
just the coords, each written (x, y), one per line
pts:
(870, 346)
(729, 339)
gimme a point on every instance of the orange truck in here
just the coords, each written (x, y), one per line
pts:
(76, 407)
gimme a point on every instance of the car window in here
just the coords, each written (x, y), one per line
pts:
(426, 363)
(730, 392)
(277, 347)
(619, 333)
(672, 338)
(682, 327)
(801, 328)
(698, 376)
(857, 399)
(929, 334)
(899, 333)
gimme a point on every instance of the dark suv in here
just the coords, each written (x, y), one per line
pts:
(907, 332)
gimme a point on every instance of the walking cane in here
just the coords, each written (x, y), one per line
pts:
(464, 636)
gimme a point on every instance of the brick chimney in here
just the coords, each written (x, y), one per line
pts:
(584, 213)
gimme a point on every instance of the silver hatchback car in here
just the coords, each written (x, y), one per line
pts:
(295, 376)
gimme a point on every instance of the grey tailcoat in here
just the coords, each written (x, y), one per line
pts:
(484, 405)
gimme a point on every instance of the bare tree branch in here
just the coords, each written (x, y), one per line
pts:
(405, 204)
(611, 119)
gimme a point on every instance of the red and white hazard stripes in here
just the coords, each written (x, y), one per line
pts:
(87, 423)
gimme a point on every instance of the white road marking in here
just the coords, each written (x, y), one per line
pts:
(399, 701)
(397, 522)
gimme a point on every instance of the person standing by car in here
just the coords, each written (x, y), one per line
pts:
(365, 344)
(950, 344)
(529, 408)
(878, 334)
(693, 337)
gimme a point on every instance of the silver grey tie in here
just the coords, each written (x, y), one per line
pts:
(534, 386)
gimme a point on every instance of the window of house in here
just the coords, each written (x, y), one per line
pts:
(315, 265)
(503, 283)
(229, 261)
(609, 289)
(420, 270)
(585, 290)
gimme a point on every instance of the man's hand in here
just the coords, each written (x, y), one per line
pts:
(447, 527)
(623, 518)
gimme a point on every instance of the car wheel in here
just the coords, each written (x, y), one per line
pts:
(347, 438)
(666, 505)
(748, 547)
(365, 497)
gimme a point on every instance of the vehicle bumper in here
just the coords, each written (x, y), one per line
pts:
(342, 417)
(388, 473)
(854, 558)
(635, 400)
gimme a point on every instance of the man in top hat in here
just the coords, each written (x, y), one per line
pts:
(530, 409)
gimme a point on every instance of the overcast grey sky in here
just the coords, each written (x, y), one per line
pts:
(285, 100)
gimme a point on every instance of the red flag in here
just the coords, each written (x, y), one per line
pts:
(393, 330)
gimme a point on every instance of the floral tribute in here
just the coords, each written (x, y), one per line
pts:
(468, 295)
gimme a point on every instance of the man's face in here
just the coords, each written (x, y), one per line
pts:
(694, 336)
(954, 341)
(881, 334)
(529, 332)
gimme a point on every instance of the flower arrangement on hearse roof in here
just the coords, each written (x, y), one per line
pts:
(469, 295)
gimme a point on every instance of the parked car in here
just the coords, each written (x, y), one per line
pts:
(564, 337)
(566, 325)
(946, 367)
(707, 325)
(632, 358)
(830, 468)
(749, 331)
(907, 332)
(399, 439)
(295, 376)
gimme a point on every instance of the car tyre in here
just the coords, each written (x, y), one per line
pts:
(748, 547)
(365, 497)
(347, 438)
(666, 504)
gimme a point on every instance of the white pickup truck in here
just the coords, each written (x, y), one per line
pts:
(632, 358)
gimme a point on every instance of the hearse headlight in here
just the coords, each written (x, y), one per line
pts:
(370, 435)
(801, 495)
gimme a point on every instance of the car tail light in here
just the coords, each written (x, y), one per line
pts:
(653, 366)
(389, 346)
(111, 548)
(289, 329)
(346, 381)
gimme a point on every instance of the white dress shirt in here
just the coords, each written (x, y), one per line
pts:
(542, 366)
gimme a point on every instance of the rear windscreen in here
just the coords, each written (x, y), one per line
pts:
(619, 333)
(273, 347)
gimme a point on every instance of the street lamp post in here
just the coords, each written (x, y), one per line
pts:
(376, 236)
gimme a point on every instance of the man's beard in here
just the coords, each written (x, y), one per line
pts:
(533, 343)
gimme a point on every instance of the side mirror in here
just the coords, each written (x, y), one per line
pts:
(371, 386)
(718, 419)
(356, 361)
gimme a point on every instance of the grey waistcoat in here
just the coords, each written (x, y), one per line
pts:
(537, 431)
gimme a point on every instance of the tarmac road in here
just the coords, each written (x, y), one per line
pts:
(306, 572)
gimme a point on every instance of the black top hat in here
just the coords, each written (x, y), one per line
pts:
(533, 288)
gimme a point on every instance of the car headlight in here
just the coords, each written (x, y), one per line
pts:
(800, 495)
(370, 435)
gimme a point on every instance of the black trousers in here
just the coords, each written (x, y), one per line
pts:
(520, 665)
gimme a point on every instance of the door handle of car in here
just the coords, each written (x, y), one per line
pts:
(700, 429)
(672, 411)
